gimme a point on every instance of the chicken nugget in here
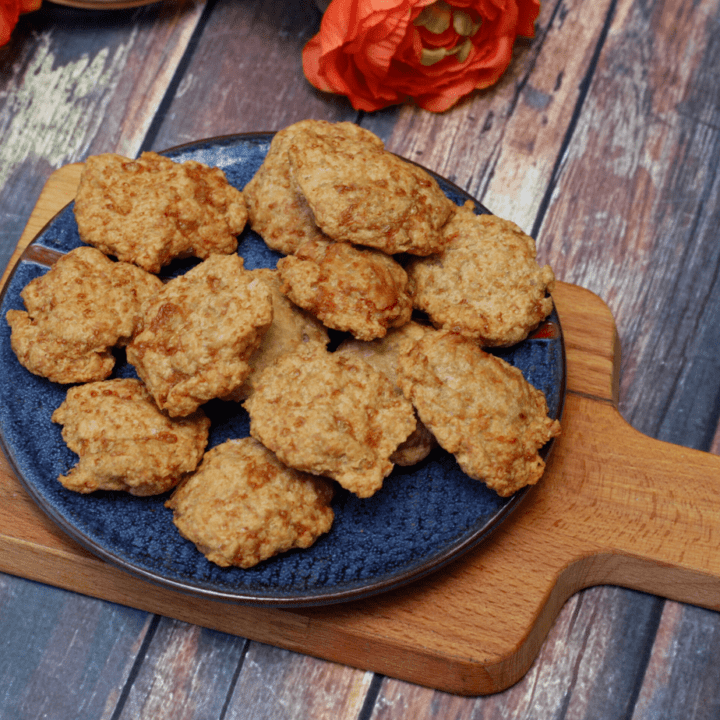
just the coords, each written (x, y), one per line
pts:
(151, 210)
(362, 291)
(124, 441)
(291, 330)
(277, 209)
(330, 415)
(198, 333)
(486, 284)
(362, 194)
(383, 355)
(243, 505)
(480, 409)
(81, 308)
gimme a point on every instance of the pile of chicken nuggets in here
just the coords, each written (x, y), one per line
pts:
(363, 349)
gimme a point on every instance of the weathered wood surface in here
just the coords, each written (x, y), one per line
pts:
(602, 139)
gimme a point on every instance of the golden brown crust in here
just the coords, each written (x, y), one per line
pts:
(486, 284)
(291, 330)
(124, 441)
(383, 355)
(151, 210)
(80, 309)
(243, 505)
(198, 333)
(361, 194)
(278, 211)
(330, 415)
(361, 291)
(480, 409)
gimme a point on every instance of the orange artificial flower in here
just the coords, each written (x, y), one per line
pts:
(382, 52)
(10, 12)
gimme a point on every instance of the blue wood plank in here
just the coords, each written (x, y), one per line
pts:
(62, 655)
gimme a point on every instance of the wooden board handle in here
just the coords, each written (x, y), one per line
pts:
(637, 512)
(620, 507)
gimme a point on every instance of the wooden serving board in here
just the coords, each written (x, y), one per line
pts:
(614, 507)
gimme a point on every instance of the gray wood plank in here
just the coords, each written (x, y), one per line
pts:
(643, 120)
(634, 213)
(246, 75)
(187, 672)
(63, 656)
(634, 217)
(184, 671)
(280, 685)
(683, 675)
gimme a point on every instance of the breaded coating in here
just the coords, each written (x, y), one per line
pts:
(383, 355)
(291, 330)
(359, 290)
(198, 332)
(243, 505)
(362, 194)
(124, 441)
(81, 308)
(330, 415)
(480, 409)
(277, 209)
(151, 210)
(486, 284)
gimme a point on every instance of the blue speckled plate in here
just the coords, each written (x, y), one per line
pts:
(423, 517)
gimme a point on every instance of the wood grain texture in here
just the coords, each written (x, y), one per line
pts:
(680, 52)
(585, 641)
(65, 641)
(255, 47)
(683, 673)
(642, 217)
(659, 201)
(278, 685)
(186, 673)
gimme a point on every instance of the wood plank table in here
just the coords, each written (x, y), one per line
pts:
(603, 141)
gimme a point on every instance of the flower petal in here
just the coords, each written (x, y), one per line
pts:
(9, 13)
(380, 52)
(528, 14)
